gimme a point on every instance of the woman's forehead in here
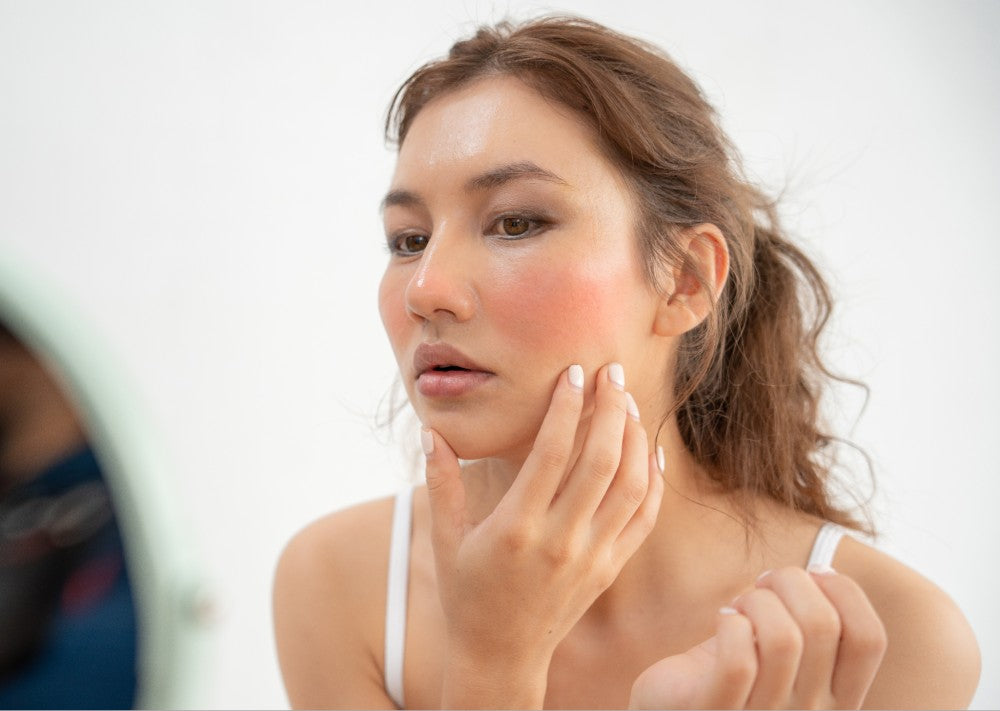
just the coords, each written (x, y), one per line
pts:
(495, 122)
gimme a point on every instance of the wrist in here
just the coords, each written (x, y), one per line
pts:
(498, 681)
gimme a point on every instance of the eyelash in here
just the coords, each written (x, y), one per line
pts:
(536, 224)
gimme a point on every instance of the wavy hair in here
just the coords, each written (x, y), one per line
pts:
(749, 379)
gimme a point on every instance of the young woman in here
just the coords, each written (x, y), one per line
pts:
(612, 348)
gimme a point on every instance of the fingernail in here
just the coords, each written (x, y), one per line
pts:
(728, 611)
(426, 442)
(763, 575)
(575, 375)
(616, 373)
(633, 409)
(661, 461)
(821, 569)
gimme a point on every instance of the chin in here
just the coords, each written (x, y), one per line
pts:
(471, 439)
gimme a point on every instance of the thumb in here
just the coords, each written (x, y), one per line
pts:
(444, 489)
(676, 682)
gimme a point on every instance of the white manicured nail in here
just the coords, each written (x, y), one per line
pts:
(427, 442)
(821, 569)
(661, 461)
(728, 611)
(633, 409)
(616, 373)
(575, 375)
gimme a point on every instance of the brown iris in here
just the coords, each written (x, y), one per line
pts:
(414, 243)
(515, 226)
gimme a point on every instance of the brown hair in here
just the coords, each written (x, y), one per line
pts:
(748, 380)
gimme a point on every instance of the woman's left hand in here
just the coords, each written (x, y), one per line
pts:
(805, 640)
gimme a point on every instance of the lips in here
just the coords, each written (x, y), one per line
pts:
(440, 357)
(443, 371)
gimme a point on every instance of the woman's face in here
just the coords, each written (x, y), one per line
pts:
(513, 256)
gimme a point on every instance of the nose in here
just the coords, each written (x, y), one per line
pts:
(442, 285)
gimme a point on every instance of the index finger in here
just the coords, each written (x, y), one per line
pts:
(736, 665)
(537, 482)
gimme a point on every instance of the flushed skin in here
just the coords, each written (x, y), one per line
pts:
(562, 567)
(570, 290)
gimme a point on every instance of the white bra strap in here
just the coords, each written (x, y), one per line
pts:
(396, 589)
(825, 546)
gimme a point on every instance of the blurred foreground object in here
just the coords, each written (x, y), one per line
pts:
(66, 605)
(101, 604)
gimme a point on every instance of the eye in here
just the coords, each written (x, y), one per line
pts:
(515, 226)
(408, 244)
(518, 226)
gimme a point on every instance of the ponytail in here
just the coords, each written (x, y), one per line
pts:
(753, 420)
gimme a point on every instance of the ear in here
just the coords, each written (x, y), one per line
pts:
(695, 284)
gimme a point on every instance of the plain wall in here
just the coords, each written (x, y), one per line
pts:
(201, 180)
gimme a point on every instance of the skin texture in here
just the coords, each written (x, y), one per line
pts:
(562, 568)
(517, 307)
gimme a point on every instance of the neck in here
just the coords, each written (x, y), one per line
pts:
(697, 549)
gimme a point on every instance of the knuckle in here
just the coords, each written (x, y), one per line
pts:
(435, 481)
(787, 642)
(822, 624)
(560, 552)
(553, 458)
(515, 539)
(738, 670)
(635, 490)
(603, 463)
(873, 640)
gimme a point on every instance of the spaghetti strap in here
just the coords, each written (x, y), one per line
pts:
(396, 593)
(825, 545)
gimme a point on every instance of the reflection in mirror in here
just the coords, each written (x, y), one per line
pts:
(66, 604)
(103, 602)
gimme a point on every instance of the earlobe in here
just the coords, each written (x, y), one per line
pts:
(695, 284)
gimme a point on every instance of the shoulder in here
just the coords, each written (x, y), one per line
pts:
(932, 659)
(329, 607)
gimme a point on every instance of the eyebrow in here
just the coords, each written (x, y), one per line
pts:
(522, 170)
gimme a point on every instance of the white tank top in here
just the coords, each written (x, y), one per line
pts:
(824, 547)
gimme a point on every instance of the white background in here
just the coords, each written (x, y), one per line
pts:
(201, 180)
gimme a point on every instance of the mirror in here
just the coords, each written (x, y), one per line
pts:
(101, 603)
(66, 604)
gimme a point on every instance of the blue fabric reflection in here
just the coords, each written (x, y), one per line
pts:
(65, 593)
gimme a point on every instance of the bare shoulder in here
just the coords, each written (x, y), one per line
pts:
(932, 660)
(329, 606)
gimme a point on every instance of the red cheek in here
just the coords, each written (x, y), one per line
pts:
(541, 305)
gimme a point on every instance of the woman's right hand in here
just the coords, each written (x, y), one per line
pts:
(515, 583)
